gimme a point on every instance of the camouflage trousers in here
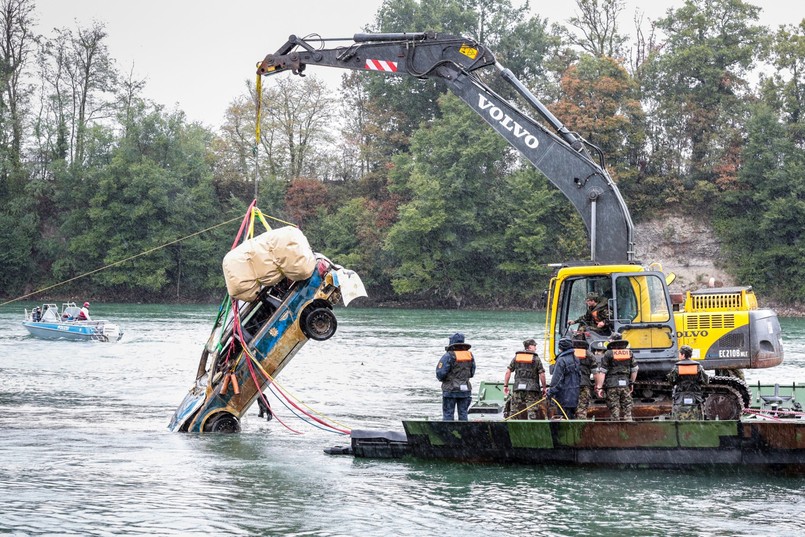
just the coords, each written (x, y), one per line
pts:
(687, 412)
(687, 406)
(522, 399)
(619, 403)
(586, 396)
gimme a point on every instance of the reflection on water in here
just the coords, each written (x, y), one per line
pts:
(85, 448)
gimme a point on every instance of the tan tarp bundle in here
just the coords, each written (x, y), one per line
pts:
(265, 260)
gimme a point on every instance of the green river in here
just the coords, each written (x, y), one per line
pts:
(85, 449)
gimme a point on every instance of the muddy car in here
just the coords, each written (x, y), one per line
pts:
(253, 340)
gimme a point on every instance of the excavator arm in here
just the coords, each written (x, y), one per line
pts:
(561, 155)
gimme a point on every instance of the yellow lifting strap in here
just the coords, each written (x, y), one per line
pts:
(259, 214)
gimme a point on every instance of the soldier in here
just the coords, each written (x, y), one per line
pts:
(589, 362)
(455, 368)
(596, 318)
(619, 371)
(529, 380)
(688, 377)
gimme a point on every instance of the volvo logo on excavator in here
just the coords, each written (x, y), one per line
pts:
(506, 121)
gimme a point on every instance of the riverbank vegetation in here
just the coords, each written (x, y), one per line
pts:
(701, 113)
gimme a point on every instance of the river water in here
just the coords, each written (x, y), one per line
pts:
(85, 450)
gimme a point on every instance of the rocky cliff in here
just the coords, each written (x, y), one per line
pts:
(689, 248)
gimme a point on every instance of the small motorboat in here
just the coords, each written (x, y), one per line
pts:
(50, 323)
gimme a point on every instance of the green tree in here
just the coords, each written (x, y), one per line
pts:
(766, 249)
(597, 21)
(17, 47)
(447, 239)
(155, 189)
(697, 88)
(542, 227)
(784, 89)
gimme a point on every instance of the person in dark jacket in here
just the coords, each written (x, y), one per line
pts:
(454, 370)
(565, 379)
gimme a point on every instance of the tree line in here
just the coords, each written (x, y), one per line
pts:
(698, 112)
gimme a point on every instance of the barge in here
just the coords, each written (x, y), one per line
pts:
(769, 436)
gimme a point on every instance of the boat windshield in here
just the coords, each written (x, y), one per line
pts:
(50, 313)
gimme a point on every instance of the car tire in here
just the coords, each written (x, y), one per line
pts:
(222, 422)
(319, 324)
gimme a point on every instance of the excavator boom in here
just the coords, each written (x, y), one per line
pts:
(561, 155)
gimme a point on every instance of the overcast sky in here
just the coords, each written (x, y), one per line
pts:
(198, 55)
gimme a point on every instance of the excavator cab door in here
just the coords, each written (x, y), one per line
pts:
(638, 306)
(642, 312)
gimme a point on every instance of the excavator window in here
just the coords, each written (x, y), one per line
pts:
(643, 311)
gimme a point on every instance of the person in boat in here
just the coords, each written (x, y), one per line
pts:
(618, 374)
(565, 379)
(529, 381)
(596, 318)
(454, 370)
(589, 357)
(688, 378)
(36, 315)
(83, 314)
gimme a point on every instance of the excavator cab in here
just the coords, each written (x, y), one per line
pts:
(638, 306)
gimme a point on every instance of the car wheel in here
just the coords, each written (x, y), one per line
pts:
(223, 422)
(319, 324)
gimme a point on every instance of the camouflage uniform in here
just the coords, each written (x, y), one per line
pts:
(688, 377)
(618, 364)
(596, 313)
(588, 364)
(527, 369)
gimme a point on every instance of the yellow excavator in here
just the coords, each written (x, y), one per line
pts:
(726, 329)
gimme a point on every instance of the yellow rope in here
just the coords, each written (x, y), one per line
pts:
(274, 218)
(525, 409)
(535, 404)
(110, 265)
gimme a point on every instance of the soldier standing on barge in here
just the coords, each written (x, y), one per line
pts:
(455, 369)
(589, 363)
(619, 369)
(688, 377)
(529, 381)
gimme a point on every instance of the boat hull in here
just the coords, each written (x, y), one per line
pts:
(654, 444)
(74, 331)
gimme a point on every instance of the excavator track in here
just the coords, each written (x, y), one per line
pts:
(725, 398)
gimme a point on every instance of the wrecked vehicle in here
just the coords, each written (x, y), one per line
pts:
(281, 294)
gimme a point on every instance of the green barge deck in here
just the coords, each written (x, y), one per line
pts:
(770, 436)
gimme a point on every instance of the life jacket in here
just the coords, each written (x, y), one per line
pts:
(587, 365)
(618, 365)
(458, 378)
(526, 371)
(687, 378)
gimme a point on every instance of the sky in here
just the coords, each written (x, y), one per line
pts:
(199, 56)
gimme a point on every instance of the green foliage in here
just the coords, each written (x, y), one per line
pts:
(767, 249)
(698, 81)
(425, 201)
